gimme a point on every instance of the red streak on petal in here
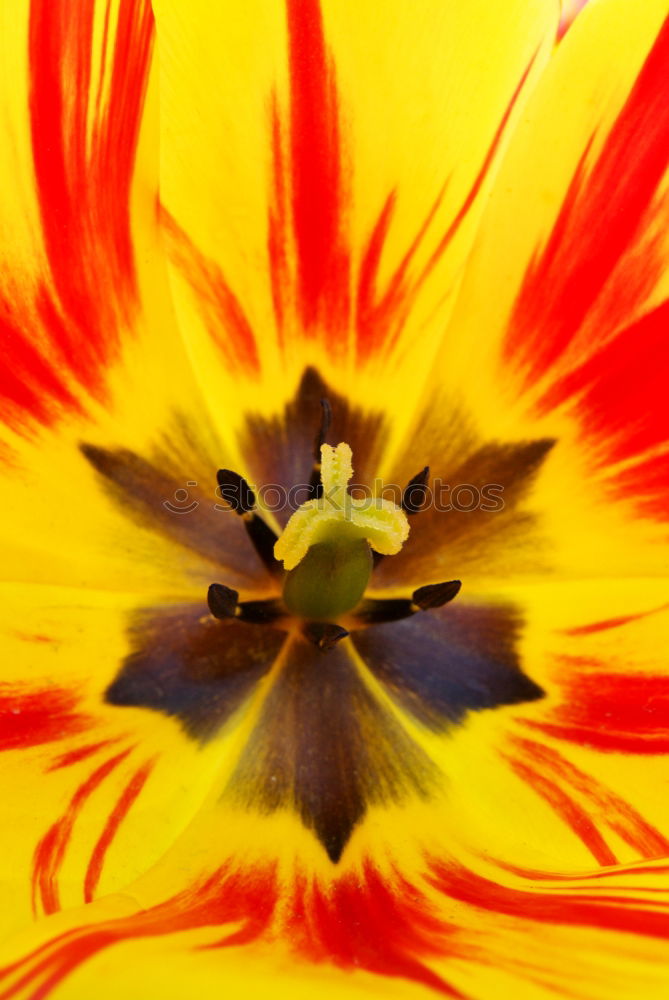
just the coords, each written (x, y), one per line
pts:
(628, 713)
(601, 219)
(621, 398)
(548, 876)
(601, 739)
(29, 383)
(228, 897)
(615, 912)
(84, 182)
(33, 637)
(575, 817)
(310, 202)
(30, 718)
(570, 11)
(371, 261)
(79, 754)
(278, 226)
(317, 174)
(622, 818)
(386, 926)
(609, 623)
(648, 485)
(64, 329)
(367, 922)
(128, 796)
(220, 308)
(383, 925)
(380, 319)
(50, 851)
(481, 176)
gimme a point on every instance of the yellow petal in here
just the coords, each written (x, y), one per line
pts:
(97, 792)
(297, 194)
(571, 250)
(562, 304)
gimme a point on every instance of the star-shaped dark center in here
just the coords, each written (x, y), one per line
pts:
(325, 744)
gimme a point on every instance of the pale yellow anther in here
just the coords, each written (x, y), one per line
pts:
(336, 514)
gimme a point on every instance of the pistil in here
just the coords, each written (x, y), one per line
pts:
(326, 547)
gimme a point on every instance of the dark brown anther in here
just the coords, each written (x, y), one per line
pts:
(434, 595)
(315, 485)
(324, 635)
(414, 496)
(263, 539)
(222, 601)
(326, 420)
(235, 490)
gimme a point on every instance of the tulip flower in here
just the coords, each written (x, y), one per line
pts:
(335, 614)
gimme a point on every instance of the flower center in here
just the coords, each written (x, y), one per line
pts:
(328, 549)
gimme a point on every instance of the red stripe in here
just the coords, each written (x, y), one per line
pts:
(281, 277)
(128, 796)
(603, 739)
(227, 898)
(221, 310)
(601, 220)
(317, 174)
(609, 623)
(614, 912)
(366, 922)
(612, 810)
(30, 718)
(84, 187)
(615, 384)
(615, 712)
(570, 12)
(64, 328)
(79, 754)
(360, 921)
(575, 817)
(50, 851)
(647, 485)
(381, 317)
(373, 922)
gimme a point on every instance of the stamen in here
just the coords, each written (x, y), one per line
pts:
(325, 635)
(260, 612)
(415, 492)
(223, 603)
(315, 485)
(434, 595)
(264, 540)
(222, 600)
(373, 612)
(414, 497)
(235, 490)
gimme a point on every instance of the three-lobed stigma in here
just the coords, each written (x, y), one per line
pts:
(326, 545)
(336, 516)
